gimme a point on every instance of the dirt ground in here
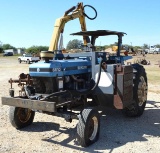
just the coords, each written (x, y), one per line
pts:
(48, 134)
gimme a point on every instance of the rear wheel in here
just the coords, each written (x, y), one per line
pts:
(19, 60)
(144, 62)
(88, 127)
(21, 117)
(28, 61)
(155, 52)
(140, 90)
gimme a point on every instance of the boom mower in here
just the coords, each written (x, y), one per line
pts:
(86, 81)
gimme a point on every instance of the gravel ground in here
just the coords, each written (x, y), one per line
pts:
(48, 134)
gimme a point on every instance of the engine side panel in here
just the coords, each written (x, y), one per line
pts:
(59, 68)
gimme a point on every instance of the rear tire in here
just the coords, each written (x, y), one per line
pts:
(88, 127)
(140, 90)
(19, 61)
(155, 52)
(21, 117)
(28, 62)
(144, 62)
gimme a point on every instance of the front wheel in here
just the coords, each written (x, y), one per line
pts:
(140, 89)
(21, 117)
(88, 127)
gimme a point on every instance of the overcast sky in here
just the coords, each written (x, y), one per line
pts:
(31, 22)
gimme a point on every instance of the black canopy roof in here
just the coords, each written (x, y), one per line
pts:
(98, 33)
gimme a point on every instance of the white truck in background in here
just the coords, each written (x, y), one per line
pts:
(152, 50)
(28, 58)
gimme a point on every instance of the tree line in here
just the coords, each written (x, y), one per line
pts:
(72, 44)
(30, 50)
(78, 44)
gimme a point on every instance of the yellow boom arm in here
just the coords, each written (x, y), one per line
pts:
(60, 23)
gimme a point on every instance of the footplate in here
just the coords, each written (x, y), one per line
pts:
(31, 104)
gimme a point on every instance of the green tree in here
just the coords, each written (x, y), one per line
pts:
(137, 48)
(36, 49)
(158, 45)
(74, 44)
(145, 46)
(7, 46)
(1, 50)
(99, 48)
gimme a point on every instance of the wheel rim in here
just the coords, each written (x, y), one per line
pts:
(24, 114)
(93, 128)
(142, 91)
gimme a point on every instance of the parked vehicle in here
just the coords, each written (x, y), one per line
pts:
(7, 54)
(28, 58)
(152, 50)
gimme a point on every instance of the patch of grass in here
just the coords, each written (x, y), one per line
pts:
(153, 74)
(13, 57)
(153, 70)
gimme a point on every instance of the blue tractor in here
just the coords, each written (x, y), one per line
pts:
(77, 85)
(83, 81)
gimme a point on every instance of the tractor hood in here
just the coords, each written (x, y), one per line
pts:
(59, 68)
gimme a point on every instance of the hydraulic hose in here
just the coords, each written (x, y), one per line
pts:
(28, 94)
(74, 7)
(99, 76)
(94, 11)
(77, 80)
(70, 10)
(87, 91)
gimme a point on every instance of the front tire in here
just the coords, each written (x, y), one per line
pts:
(21, 117)
(140, 90)
(88, 127)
